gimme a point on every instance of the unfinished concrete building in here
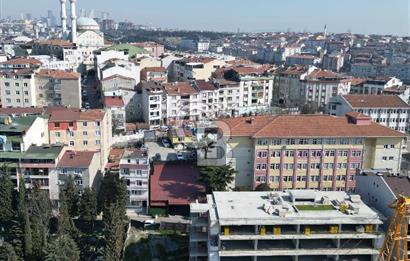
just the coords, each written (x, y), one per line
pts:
(294, 225)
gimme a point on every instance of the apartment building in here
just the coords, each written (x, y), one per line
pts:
(375, 86)
(82, 130)
(319, 86)
(333, 62)
(17, 134)
(195, 68)
(301, 59)
(288, 225)
(116, 106)
(154, 103)
(40, 88)
(256, 87)
(307, 151)
(115, 82)
(18, 63)
(182, 101)
(158, 74)
(388, 110)
(56, 87)
(135, 169)
(82, 166)
(38, 165)
(17, 88)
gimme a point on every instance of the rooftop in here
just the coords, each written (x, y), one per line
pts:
(179, 88)
(290, 126)
(291, 207)
(71, 114)
(18, 124)
(175, 185)
(131, 49)
(375, 101)
(22, 60)
(58, 74)
(57, 42)
(76, 159)
(43, 152)
(113, 101)
(21, 111)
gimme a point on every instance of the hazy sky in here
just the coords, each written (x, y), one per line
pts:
(360, 16)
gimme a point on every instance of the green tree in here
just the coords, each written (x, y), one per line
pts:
(263, 187)
(66, 224)
(6, 195)
(7, 252)
(217, 178)
(40, 214)
(62, 248)
(205, 144)
(72, 196)
(28, 243)
(114, 232)
(309, 108)
(24, 220)
(88, 207)
(113, 190)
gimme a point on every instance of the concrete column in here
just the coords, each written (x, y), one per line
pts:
(73, 21)
(63, 17)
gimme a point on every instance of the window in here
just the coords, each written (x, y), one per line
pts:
(275, 166)
(357, 141)
(330, 153)
(344, 141)
(290, 141)
(342, 153)
(355, 165)
(331, 141)
(316, 153)
(276, 142)
(262, 154)
(315, 165)
(85, 143)
(384, 158)
(71, 134)
(391, 158)
(263, 166)
(97, 133)
(85, 133)
(258, 166)
(316, 141)
(97, 142)
(97, 123)
(85, 124)
(71, 143)
(57, 134)
(356, 153)
(57, 125)
(303, 141)
(289, 153)
(8, 92)
(275, 154)
(71, 124)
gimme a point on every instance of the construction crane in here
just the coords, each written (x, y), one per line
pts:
(395, 242)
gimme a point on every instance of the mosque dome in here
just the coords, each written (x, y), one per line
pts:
(86, 23)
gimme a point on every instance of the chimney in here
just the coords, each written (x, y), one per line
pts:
(73, 21)
(63, 17)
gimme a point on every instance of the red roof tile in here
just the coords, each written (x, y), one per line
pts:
(175, 185)
(113, 101)
(58, 74)
(71, 114)
(302, 126)
(22, 60)
(179, 88)
(76, 159)
(375, 101)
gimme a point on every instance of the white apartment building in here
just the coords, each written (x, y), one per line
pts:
(134, 168)
(194, 68)
(319, 86)
(154, 103)
(123, 68)
(376, 85)
(182, 101)
(388, 110)
(286, 225)
(18, 89)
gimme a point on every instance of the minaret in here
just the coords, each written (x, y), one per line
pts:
(325, 32)
(73, 22)
(63, 17)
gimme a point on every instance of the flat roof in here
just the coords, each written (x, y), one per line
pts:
(248, 208)
(175, 184)
(43, 152)
(18, 124)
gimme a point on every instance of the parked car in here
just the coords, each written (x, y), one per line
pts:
(165, 142)
(180, 156)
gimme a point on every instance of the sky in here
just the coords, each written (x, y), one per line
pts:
(357, 16)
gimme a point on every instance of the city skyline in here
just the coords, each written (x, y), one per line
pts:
(180, 14)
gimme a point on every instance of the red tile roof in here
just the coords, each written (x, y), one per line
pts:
(22, 60)
(302, 126)
(58, 74)
(70, 114)
(21, 110)
(179, 88)
(57, 42)
(205, 85)
(113, 101)
(175, 185)
(375, 101)
(117, 76)
(76, 159)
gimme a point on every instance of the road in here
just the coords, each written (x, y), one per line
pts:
(90, 95)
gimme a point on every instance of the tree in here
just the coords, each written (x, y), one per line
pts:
(113, 190)
(40, 214)
(88, 207)
(66, 224)
(6, 195)
(28, 243)
(217, 178)
(7, 252)
(71, 193)
(309, 108)
(263, 187)
(205, 144)
(62, 248)
(114, 232)
(23, 219)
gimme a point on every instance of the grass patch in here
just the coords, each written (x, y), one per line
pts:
(314, 207)
(158, 212)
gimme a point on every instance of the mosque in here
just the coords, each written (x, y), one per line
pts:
(85, 32)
